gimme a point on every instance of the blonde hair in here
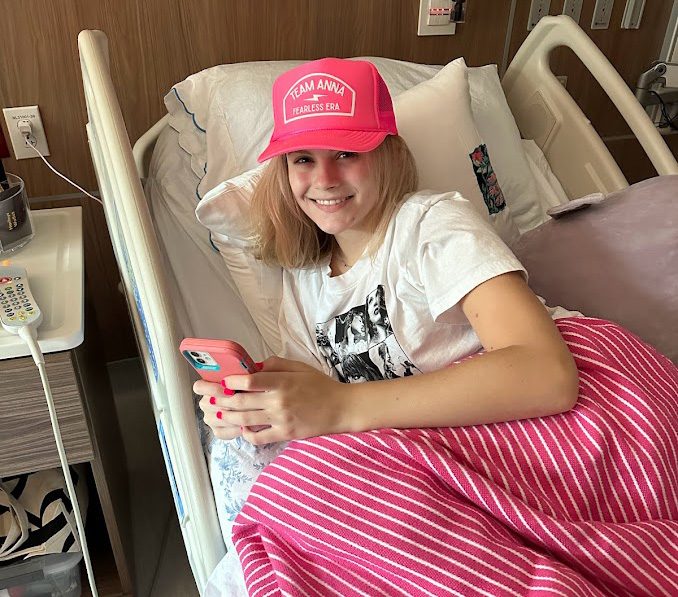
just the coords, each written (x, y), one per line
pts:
(284, 235)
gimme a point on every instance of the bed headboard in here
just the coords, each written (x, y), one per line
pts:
(545, 111)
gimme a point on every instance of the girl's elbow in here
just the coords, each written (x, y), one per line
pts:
(566, 386)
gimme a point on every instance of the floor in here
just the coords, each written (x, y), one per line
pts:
(161, 565)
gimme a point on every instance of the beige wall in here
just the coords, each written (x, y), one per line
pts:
(156, 43)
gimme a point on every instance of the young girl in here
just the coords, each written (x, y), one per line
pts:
(434, 281)
(428, 504)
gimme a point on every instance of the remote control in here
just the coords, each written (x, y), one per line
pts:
(17, 305)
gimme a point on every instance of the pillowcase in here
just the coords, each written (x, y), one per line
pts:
(436, 121)
(499, 130)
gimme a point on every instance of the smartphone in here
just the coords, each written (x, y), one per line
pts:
(215, 359)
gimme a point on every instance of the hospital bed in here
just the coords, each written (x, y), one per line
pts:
(162, 277)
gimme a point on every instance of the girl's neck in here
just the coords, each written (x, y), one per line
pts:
(347, 250)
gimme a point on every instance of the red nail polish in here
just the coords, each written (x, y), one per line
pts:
(223, 383)
(219, 414)
(228, 391)
(259, 366)
(213, 400)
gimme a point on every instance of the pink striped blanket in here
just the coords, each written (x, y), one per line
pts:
(583, 503)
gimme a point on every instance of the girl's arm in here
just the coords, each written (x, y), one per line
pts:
(527, 371)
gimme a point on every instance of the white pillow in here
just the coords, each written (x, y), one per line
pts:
(225, 212)
(232, 104)
(200, 106)
(436, 121)
(498, 129)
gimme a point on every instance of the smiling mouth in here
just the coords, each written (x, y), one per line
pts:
(328, 202)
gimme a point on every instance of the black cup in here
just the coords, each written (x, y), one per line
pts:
(15, 217)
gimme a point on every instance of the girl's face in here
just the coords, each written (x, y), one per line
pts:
(333, 188)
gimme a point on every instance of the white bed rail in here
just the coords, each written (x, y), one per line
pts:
(545, 111)
(139, 259)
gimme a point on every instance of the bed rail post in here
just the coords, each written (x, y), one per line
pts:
(147, 290)
(542, 109)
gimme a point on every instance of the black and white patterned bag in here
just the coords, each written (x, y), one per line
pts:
(36, 514)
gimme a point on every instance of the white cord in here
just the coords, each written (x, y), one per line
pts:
(29, 335)
(31, 143)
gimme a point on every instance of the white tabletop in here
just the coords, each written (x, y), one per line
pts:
(54, 263)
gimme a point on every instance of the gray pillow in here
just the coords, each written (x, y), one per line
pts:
(616, 260)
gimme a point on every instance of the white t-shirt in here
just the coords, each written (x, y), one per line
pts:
(397, 313)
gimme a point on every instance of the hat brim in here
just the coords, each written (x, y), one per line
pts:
(358, 141)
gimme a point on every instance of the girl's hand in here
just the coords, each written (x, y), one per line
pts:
(285, 400)
(211, 395)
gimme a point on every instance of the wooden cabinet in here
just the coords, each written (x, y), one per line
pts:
(89, 429)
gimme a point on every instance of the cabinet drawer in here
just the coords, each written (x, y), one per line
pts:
(26, 437)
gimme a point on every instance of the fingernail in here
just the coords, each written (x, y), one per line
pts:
(219, 414)
(223, 383)
(213, 400)
(259, 366)
(228, 391)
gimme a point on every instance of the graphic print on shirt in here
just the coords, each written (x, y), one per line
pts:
(360, 344)
(487, 180)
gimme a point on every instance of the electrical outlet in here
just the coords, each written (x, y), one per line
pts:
(601, 14)
(572, 8)
(21, 148)
(434, 18)
(633, 13)
(538, 9)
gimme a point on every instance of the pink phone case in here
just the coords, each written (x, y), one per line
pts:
(215, 359)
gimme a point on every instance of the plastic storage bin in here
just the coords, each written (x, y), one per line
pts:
(52, 575)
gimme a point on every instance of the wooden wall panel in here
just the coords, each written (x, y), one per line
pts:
(632, 159)
(156, 43)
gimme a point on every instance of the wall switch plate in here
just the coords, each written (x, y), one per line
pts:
(601, 14)
(21, 149)
(572, 8)
(633, 13)
(538, 9)
(434, 18)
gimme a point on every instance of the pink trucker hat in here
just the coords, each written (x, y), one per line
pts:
(331, 103)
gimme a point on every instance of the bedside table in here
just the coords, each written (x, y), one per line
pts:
(79, 381)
